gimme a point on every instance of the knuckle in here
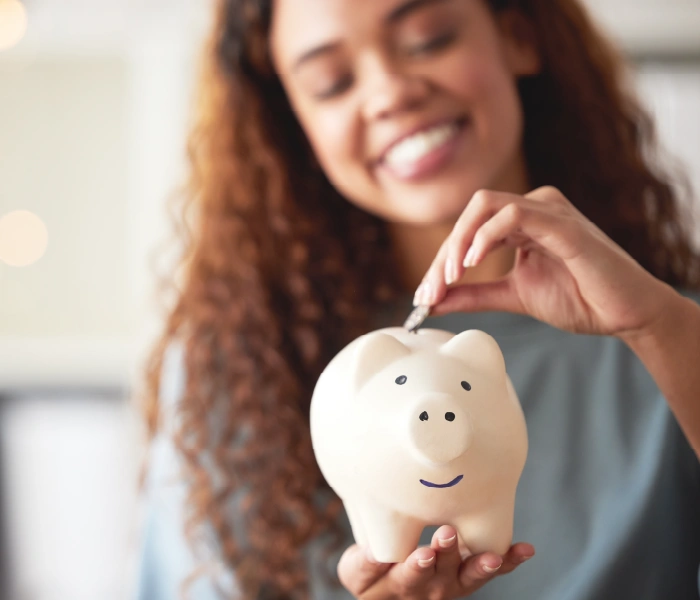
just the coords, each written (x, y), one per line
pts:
(514, 212)
(482, 198)
(553, 193)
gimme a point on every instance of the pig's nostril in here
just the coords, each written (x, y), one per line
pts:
(423, 416)
(450, 416)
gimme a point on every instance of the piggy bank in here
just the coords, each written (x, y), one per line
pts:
(416, 429)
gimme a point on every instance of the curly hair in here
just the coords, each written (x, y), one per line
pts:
(279, 271)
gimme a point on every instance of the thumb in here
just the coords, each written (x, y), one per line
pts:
(358, 571)
(478, 297)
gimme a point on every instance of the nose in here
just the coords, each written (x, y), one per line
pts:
(438, 428)
(388, 92)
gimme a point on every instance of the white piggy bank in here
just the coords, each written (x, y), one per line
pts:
(416, 429)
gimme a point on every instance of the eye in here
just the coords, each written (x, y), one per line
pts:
(466, 386)
(437, 43)
(401, 379)
(336, 89)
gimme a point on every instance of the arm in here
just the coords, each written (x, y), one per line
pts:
(670, 350)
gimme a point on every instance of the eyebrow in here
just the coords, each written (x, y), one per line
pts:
(403, 10)
(313, 53)
(397, 14)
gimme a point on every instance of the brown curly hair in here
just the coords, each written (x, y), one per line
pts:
(279, 271)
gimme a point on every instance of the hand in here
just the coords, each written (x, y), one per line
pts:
(436, 572)
(567, 272)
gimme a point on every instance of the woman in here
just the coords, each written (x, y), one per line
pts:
(347, 151)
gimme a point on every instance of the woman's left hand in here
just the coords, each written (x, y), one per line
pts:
(567, 272)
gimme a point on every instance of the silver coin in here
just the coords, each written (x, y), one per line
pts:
(416, 318)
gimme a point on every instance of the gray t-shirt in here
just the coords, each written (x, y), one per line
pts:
(609, 497)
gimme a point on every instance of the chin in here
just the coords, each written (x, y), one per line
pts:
(430, 208)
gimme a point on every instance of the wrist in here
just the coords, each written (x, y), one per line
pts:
(675, 313)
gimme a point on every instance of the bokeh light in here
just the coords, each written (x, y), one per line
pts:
(13, 23)
(23, 238)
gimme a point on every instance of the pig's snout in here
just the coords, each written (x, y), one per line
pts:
(438, 428)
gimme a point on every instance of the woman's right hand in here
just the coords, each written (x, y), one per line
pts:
(435, 572)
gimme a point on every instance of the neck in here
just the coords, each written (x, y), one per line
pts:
(415, 246)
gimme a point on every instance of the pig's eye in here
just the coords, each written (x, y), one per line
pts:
(401, 379)
(466, 386)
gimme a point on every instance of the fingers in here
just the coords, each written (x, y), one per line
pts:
(477, 570)
(494, 295)
(517, 555)
(433, 285)
(437, 566)
(357, 572)
(444, 542)
(492, 219)
(411, 577)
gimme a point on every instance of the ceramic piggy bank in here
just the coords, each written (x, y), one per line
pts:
(416, 429)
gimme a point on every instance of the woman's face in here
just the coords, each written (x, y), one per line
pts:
(410, 105)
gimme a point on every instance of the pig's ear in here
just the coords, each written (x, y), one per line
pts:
(478, 350)
(374, 352)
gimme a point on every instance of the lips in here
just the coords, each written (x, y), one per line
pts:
(455, 481)
(418, 130)
(425, 151)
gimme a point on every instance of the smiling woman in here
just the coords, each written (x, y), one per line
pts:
(343, 149)
(348, 68)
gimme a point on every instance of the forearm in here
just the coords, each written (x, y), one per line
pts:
(670, 350)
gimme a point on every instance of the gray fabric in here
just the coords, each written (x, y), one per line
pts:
(610, 494)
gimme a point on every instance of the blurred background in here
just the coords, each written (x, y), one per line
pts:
(94, 106)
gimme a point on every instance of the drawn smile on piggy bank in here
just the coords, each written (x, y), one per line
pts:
(455, 481)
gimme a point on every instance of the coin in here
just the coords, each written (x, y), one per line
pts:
(416, 318)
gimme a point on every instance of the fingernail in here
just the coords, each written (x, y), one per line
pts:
(423, 294)
(524, 558)
(489, 569)
(469, 258)
(426, 562)
(450, 271)
(420, 293)
(446, 543)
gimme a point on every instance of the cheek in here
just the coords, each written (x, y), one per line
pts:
(486, 87)
(490, 94)
(334, 139)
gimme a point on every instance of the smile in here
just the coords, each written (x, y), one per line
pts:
(455, 481)
(426, 152)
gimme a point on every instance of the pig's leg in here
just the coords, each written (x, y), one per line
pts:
(358, 529)
(491, 531)
(391, 536)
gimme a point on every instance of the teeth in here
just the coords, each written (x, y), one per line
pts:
(415, 147)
